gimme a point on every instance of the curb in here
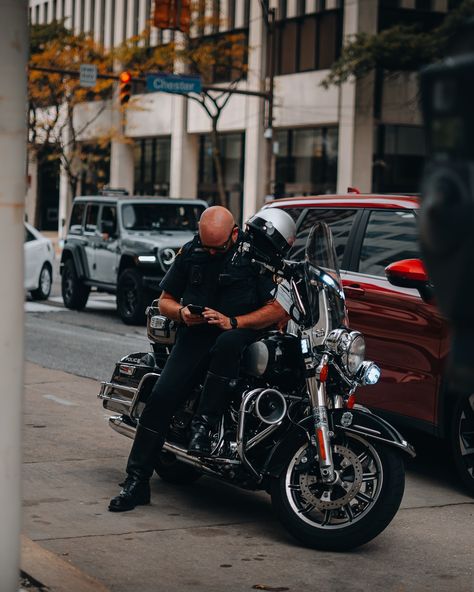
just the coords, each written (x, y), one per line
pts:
(54, 573)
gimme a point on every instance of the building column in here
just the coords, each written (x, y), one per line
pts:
(356, 108)
(184, 161)
(255, 144)
(31, 202)
(121, 166)
(65, 203)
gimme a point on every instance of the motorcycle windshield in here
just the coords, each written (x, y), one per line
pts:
(323, 280)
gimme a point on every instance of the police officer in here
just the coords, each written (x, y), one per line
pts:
(238, 301)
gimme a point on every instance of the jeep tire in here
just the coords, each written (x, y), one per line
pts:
(74, 292)
(132, 297)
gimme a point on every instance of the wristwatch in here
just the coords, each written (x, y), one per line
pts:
(233, 322)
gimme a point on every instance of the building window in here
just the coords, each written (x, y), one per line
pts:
(102, 22)
(96, 168)
(81, 17)
(136, 17)
(152, 166)
(125, 19)
(305, 161)
(399, 159)
(73, 15)
(112, 25)
(92, 18)
(230, 50)
(232, 146)
(310, 42)
(55, 9)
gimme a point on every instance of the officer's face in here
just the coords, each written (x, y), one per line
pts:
(222, 248)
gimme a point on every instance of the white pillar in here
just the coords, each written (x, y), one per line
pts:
(255, 149)
(31, 202)
(356, 121)
(121, 166)
(184, 153)
(65, 202)
(14, 51)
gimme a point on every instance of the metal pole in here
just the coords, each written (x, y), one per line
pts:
(13, 102)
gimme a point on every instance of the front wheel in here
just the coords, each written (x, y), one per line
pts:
(359, 505)
(131, 297)
(75, 293)
(45, 281)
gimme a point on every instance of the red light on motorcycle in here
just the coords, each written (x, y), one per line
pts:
(323, 375)
(351, 402)
(322, 449)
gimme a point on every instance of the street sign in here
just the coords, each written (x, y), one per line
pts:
(87, 75)
(172, 83)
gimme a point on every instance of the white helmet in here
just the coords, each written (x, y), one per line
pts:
(272, 232)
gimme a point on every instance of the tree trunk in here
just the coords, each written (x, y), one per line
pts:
(216, 155)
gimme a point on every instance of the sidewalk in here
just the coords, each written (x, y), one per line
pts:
(205, 537)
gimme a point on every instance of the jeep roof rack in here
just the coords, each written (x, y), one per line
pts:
(113, 191)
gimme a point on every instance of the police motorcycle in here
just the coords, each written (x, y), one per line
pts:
(334, 470)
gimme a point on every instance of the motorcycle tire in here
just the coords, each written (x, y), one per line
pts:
(171, 470)
(462, 440)
(341, 532)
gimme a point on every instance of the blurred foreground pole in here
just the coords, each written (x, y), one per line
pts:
(13, 52)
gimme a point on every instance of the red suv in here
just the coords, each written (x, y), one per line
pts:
(390, 301)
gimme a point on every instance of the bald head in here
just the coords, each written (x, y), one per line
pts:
(215, 226)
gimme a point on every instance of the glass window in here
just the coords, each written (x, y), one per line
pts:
(232, 160)
(152, 166)
(339, 221)
(399, 159)
(328, 42)
(108, 220)
(29, 236)
(307, 57)
(390, 236)
(161, 217)
(288, 46)
(91, 218)
(77, 215)
(305, 161)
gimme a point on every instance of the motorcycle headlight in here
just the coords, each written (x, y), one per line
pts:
(369, 373)
(354, 353)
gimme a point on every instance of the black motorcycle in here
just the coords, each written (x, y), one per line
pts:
(334, 470)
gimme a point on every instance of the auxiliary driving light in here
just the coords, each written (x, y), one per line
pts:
(369, 373)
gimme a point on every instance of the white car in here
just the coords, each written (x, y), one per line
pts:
(39, 256)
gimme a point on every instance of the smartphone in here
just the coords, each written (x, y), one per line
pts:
(196, 309)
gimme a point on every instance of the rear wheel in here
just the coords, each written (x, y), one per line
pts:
(172, 470)
(75, 293)
(350, 512)
(43, 290)
(132, 298)
(462, 440)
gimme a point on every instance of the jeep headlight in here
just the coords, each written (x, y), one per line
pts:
(167, 256)
(350, 346)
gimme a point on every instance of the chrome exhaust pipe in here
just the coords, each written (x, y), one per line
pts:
(125, 429)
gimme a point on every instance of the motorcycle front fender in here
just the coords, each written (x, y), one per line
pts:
(359, 421)
(370, 426)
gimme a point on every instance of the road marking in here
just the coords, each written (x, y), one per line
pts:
(38, 307)
(60, 401)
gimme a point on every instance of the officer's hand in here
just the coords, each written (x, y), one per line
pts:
(190, 319)
(217, 319)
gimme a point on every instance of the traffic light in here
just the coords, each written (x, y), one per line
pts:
(125, 87)
(173, 14)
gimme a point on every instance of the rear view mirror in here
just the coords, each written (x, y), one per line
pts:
(410, 273)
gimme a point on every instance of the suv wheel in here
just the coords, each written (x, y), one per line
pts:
(462, 440)
(131, 297)
(75, 293)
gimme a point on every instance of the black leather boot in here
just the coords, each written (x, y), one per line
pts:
(215, 397)
(140, 466)
(201, 426)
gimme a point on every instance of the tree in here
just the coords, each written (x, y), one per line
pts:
(219, 59)
(55, 130)
(399, 48)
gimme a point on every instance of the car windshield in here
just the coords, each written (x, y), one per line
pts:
(152, 216)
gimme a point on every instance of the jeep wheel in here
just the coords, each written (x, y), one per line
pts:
(75, 293)
(131, 297)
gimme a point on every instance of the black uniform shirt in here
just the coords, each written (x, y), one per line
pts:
(230, 287)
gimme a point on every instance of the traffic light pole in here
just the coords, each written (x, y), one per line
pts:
(13, 135)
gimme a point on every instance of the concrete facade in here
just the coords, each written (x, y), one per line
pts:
(300, 101)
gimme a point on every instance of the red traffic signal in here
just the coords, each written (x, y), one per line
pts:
(125, 87)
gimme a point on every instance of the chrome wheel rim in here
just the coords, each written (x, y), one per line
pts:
(45, 281)
(359, 479)
(466, 435)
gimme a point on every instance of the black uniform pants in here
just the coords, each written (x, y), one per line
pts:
(195, 351)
